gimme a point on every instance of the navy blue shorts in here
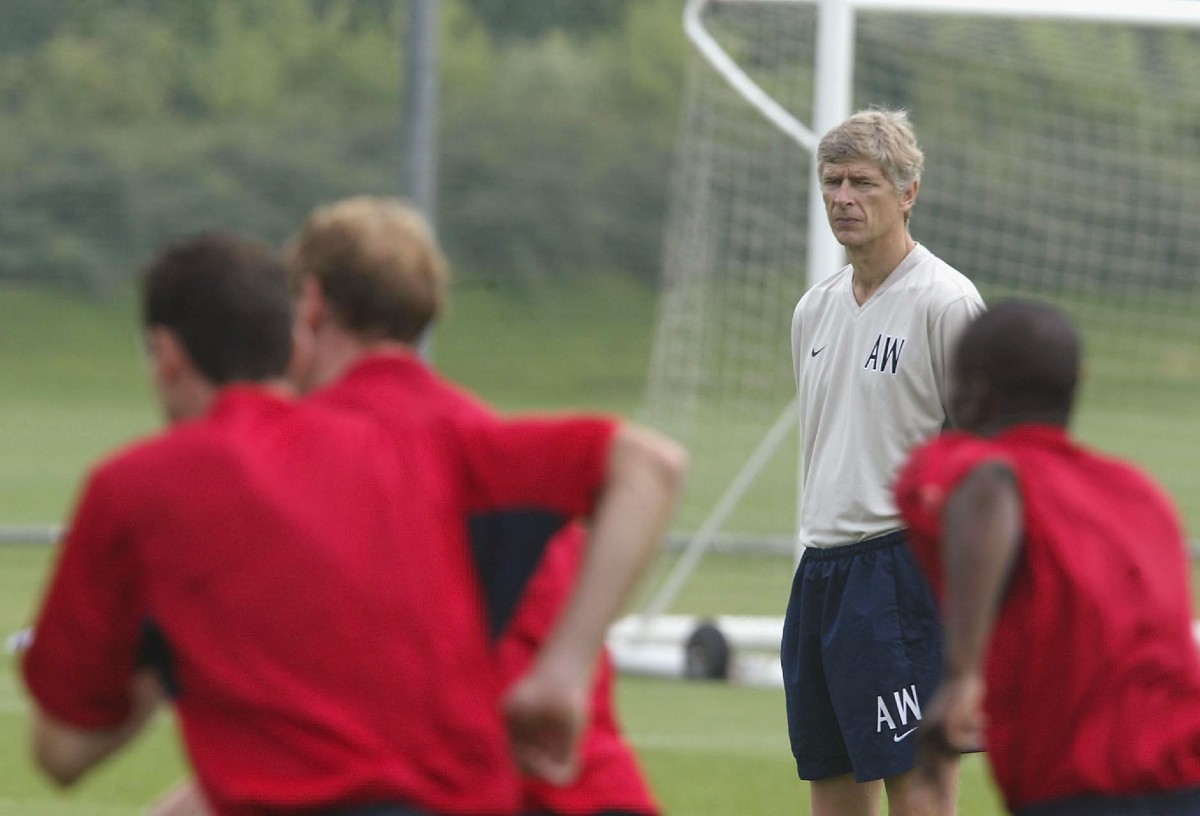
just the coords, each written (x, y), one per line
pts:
(861, 654)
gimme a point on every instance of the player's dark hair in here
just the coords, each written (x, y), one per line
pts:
(227, 300)
(1029, 353)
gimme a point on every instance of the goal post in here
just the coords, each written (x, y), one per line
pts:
(1062, 163)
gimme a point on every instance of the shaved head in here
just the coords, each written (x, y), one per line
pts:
(1018, 362)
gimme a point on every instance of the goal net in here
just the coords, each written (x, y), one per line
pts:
(1062, 163)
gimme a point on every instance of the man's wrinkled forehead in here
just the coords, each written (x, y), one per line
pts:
(851, 167)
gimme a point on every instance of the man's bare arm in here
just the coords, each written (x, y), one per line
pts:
(66, 752)
(547, 707)
(981, 538)
(982, 530)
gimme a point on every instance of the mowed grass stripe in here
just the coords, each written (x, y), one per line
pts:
(700, 743)
(61, 807)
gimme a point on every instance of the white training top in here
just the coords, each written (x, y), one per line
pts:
(873, 382)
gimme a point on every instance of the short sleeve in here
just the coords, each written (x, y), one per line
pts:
(946, 331)
(797, 327)
(924, 485)
(546, 463)
(85, 638)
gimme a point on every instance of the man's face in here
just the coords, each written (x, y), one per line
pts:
(969, 400)
(861, 203)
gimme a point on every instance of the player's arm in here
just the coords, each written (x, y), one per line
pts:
(185, 800)
(981, 540)
(546, 709)
(66, 752)
(981, 535)
(88, 697)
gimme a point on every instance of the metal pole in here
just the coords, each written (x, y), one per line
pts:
(833, 96)
(420, 107)
(724, 507)
(419, 128)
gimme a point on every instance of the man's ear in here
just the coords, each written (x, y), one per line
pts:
(311, 309)
(909, 197)
(985, 402)
(168, 359)
(183, 390)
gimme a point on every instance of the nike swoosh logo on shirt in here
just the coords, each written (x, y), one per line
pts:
(898, 737)
(815, 352)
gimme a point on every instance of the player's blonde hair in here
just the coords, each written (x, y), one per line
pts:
(378, 264)
(883, 137)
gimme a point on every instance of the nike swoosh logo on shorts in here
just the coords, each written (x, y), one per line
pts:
(898, 737)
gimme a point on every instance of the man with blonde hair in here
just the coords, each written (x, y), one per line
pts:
(871, 346)
(371, 278)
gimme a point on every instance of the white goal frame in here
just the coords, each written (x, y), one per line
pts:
(833, 81)
(835, 66)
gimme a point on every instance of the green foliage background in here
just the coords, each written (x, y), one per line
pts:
(125, 123)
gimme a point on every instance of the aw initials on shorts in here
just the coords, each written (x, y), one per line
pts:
(905, 704)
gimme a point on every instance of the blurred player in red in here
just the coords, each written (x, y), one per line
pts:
(272, 560)
(1064, 591)
(371, 279)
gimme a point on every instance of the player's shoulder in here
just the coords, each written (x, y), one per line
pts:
(1116, 469)
(818, 296)
(235, 411)
(934, 469)
(402, 386)
(425, 390)
(939, 282)
(455, 399)
(827, 286)
(946, 459)
(133, 458)
(156, 460)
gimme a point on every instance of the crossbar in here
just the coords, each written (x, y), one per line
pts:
(1142, 12)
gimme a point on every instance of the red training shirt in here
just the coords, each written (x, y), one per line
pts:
(1092, 673)
(315, 638)
(402, 389)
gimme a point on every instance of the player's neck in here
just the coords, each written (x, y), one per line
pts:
(336, 351)
(1005, 422)
(187, 398)
(874, 262)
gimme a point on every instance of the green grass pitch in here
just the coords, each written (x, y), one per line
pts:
(76, 390)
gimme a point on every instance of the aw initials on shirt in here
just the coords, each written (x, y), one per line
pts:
(885, 354)
(906, 703)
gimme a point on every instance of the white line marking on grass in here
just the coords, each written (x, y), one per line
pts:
(741, 744)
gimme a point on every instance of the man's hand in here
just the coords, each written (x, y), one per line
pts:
(185, 800)
(953, 724)
(546, 716)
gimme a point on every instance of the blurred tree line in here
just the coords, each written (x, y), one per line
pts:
(124, 123)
